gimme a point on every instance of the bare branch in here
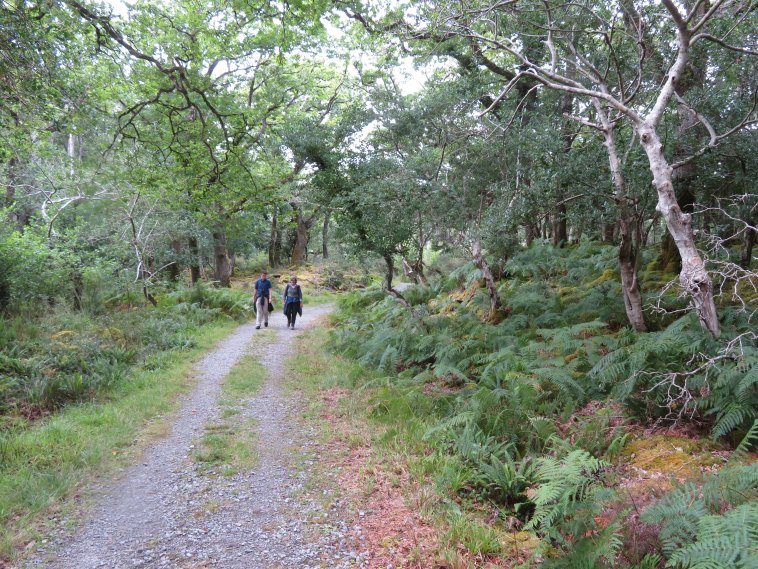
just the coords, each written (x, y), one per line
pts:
(707, 16)
(722, 43)
(715, 139)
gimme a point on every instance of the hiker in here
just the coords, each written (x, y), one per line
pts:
(293, 302)
(261, 299)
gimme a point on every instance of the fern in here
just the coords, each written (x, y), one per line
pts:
(692, 521)
(749, 440)
(562, 483)
(507, 479)
(728, 541)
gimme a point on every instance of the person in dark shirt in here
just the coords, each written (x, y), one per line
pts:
(262, 298)
(293, 302)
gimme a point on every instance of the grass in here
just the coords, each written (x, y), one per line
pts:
(385, 417)
(45, 464)
(229, 445)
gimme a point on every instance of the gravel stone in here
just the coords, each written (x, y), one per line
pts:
(170, 511)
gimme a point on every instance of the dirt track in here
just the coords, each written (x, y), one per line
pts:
(166, 511)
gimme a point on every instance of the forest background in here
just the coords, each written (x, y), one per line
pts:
(570, 188)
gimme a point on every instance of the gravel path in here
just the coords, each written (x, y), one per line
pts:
(169, 511)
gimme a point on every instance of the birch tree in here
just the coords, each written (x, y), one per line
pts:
(600, 54)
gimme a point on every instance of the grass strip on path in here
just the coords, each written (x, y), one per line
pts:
(229, 443)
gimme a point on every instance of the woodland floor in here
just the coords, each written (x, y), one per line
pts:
(169, 510)
(306, 500)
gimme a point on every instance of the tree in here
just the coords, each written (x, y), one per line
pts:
(600, 54)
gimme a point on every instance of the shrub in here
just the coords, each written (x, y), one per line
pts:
(31, 272)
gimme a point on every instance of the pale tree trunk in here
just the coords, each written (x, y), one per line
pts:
(418, 264)
(629, 247)
(71, 153)
(222, 266)
(628, 265)
(407, 269)
(489, 279)
(195, 264)
(693, 278)
(411, 272)
(577, 232)
(560, 220)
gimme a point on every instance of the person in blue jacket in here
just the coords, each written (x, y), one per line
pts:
(293, 302)
(261, 299)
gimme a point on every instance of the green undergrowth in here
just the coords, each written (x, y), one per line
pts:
(65, 357)
(522, 424)
(228, 445)
(77, 389)
(43, 465)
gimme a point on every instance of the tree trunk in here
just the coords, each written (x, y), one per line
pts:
(78, 291)
(669, 259)
(628, 254)
(173, 267)
(628, 264)
(608, 230)
(418, 265)
(5, 294)
(71, 153)
(693, 277)
(300, 250)
(390, 264)
(489, 279)
(273, 241)
(531, 232)
(412, 272)
(560, 224)
(222, 267)
(577, 232)
(325, 236)
(747, 248)
(560, 233)
(232, 262)
(195, 264)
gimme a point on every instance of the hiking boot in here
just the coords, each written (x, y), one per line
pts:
(265, 324)
(257, 327)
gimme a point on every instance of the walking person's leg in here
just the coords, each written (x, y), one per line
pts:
(260, 307)
(265, 312)
(293, 311)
